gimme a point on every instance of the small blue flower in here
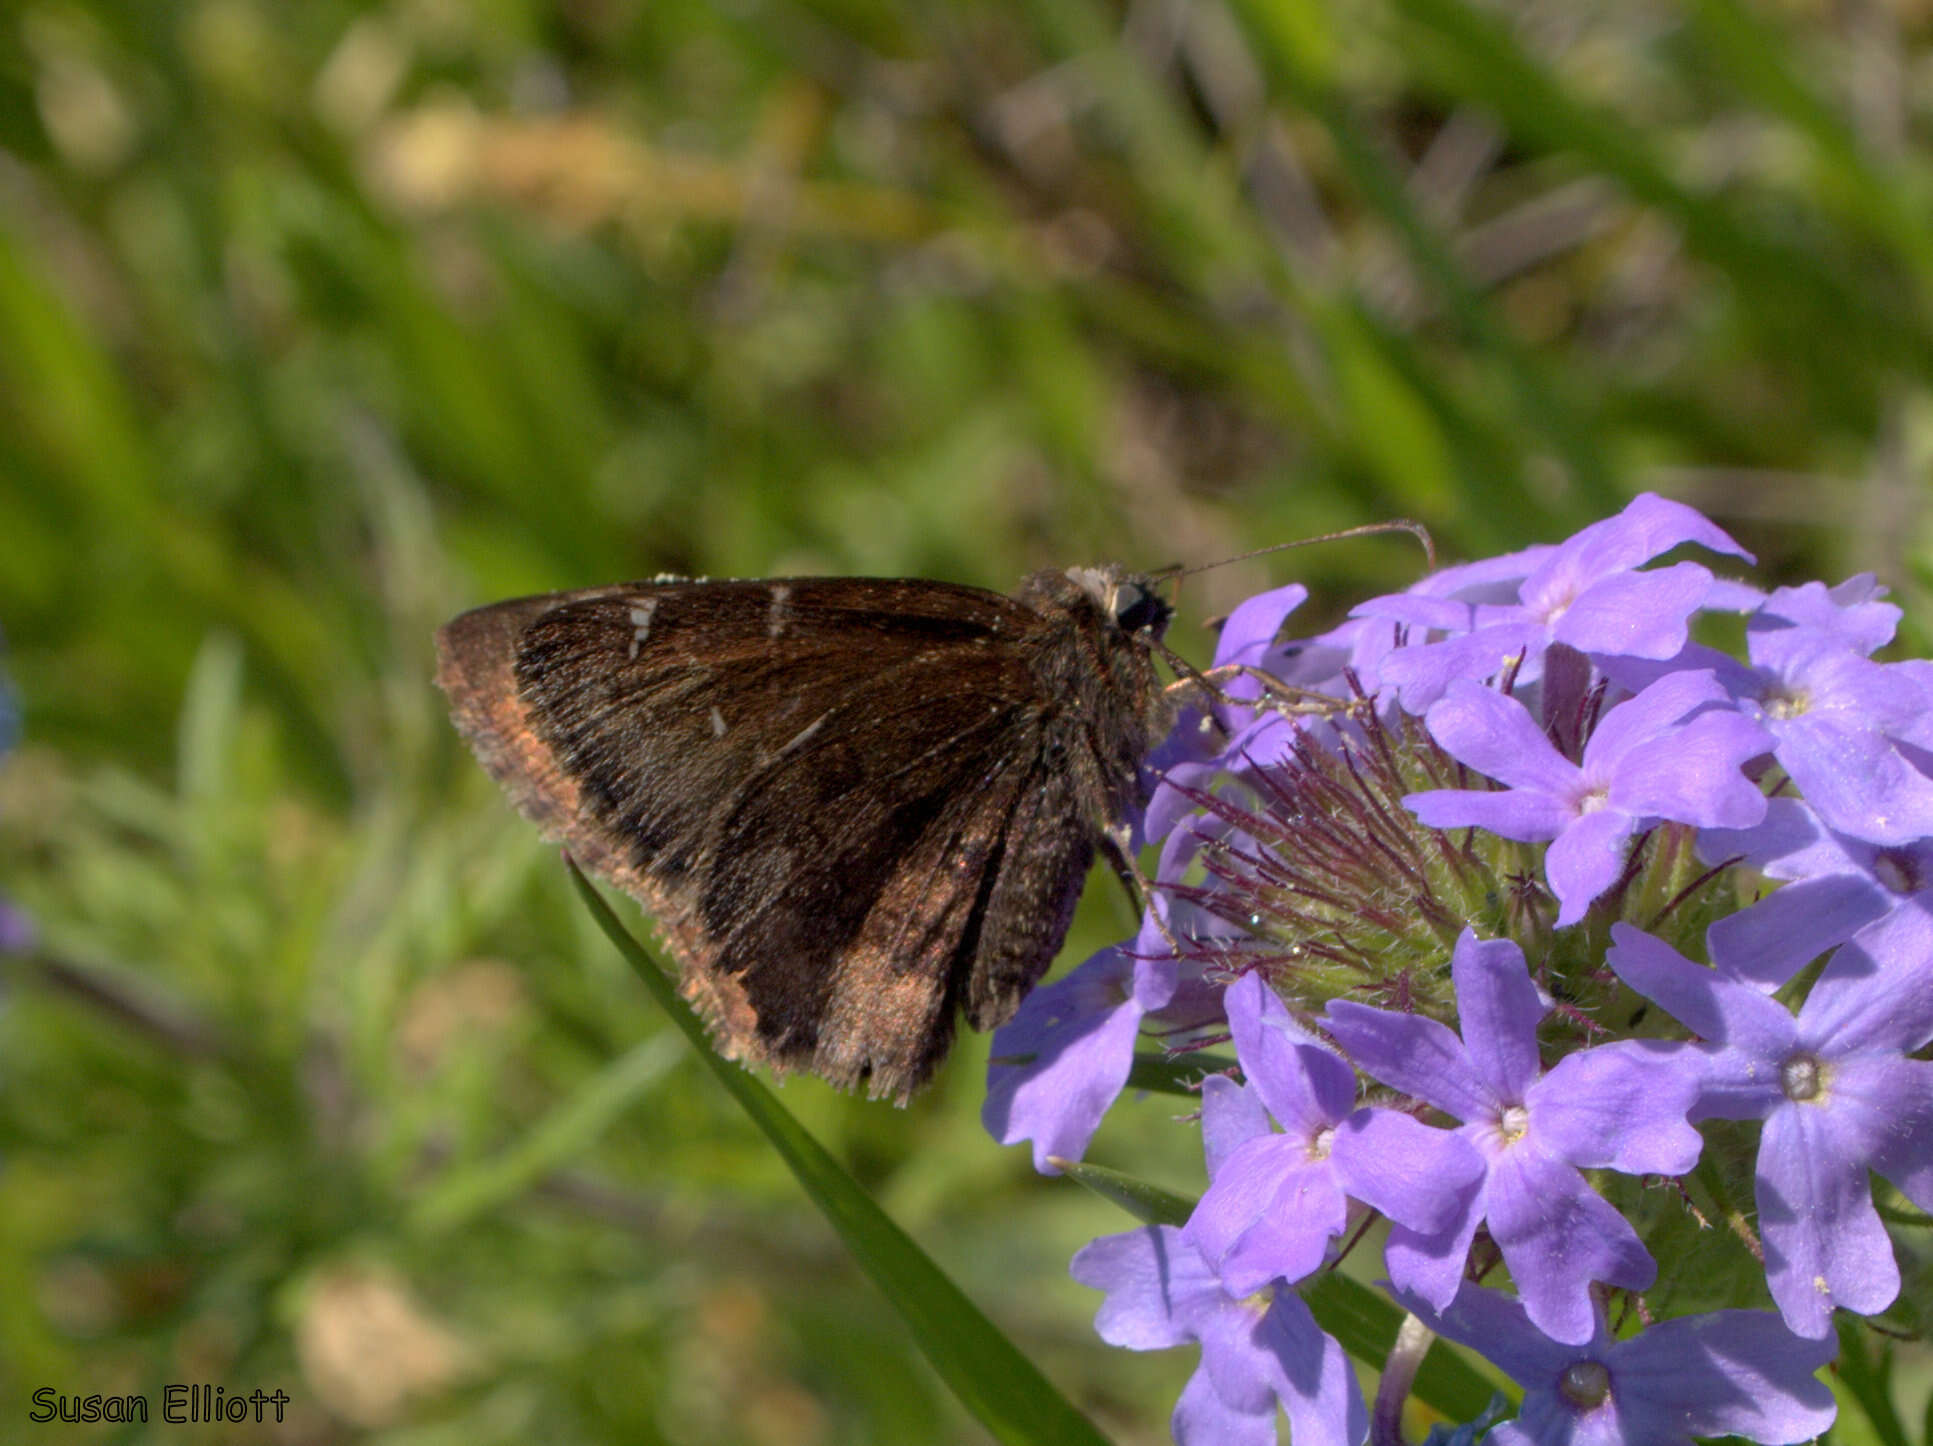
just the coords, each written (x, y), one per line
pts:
(1836, 716)
(1256, 1351)
(1732, 1372)
(1836, 1089)
(1618, 1106)
(1586, 592)
(1064, 1057)
(1671, 753)
(1277, 1201)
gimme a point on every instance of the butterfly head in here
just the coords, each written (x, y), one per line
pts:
(1129, 600)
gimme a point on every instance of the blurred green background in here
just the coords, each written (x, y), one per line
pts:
(321, 322)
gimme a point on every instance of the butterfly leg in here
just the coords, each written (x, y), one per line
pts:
(1283, 697)
(1117, 843)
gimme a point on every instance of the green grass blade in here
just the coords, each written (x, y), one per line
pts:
(1004, 1390)
(1865, 1373)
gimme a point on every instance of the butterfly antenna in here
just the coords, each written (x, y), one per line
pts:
(1367, 529)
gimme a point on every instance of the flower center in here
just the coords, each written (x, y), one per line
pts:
(1899, 871)
(1513, 1124)
(1321, 1143)
(1803, 1077)
(1594, 799)
(1782, 702)
(1258, 1304)
(1585, 1384)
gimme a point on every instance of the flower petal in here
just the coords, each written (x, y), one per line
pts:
(1728, 1373)
(1496, 735)
(1767, 944)
(1641, 720)
(1585, 860)
(1231, 1116)
(1415, 1174)
(1203, 1418)
(1694, 774)
(1513, 813)
(1703, 1000)
(1270, 1212)
(1877, 993)
(1636, 614)
(1159, 1289)
(1621, 1107)
(1073, 1043)
(1824, 1243)
(1416, 1055)
(1304, 1085)
(1498, 1009)
(1557, 1236)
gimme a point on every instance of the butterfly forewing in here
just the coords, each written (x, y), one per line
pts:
(854, 805)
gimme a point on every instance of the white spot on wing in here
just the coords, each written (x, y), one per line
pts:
(800, 738)
(717, 723)
(780, 612)
(641, 623)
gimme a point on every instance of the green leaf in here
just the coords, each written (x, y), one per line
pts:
(1003, 1390)
(1146, 1202)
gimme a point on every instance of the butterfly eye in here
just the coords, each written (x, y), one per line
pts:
(1136, 608)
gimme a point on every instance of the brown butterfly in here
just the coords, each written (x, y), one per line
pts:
(856, 806)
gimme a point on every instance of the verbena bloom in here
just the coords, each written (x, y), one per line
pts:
(1670, 753)
(1837, 1092)
(1616, 1106)
(1588, 593)
(1278, 1200)
(1837, 718)
(1732, 1372)
(1351, 942)
(1257, 1351)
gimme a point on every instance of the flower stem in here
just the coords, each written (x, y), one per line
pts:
(1399, 1373)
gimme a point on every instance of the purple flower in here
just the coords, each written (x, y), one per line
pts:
(1064, 1057)
(1836, 716)
(1585, 592)
(1645, 761)
(1278, 1200)
(1840, 884)
(1732, 1372)
(1618, 1106)
(1837, 1093)
(1256, 1350)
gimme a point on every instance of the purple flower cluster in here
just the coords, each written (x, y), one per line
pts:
(1499, 939)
